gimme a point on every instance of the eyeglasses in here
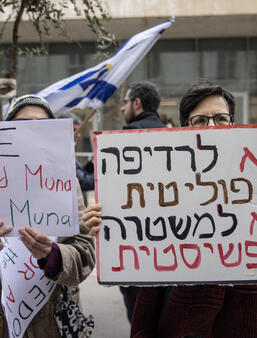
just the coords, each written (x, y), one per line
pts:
(203, 120)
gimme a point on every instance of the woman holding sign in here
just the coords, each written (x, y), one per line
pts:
(202, 310)
(206, 311)
(65, 264)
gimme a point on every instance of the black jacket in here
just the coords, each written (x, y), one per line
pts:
(86, 177)
(145, 120)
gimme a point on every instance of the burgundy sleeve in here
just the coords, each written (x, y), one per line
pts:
(53, 263)
(191, 311)
(146, 312)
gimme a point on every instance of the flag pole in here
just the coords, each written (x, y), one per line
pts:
(85, 122)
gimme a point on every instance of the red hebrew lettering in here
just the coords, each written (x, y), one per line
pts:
(197, 260)
(163, 267)
(253, 221)
(209, 246)
(146, 249)
(249, 254)
(248, 154)
(122, 248)
(29, 270)
(228, 254)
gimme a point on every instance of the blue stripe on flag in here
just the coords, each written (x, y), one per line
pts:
(102, 90)
(83, 77)
(121, 47)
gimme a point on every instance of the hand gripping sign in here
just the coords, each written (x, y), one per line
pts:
(179, 205)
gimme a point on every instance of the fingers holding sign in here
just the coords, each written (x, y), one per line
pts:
(38, 244)
(3, 232)
(92, 218)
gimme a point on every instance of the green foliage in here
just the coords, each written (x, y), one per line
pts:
(44, 14)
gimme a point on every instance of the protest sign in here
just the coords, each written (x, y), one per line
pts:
(179, 205)
(37, 176)
(25, 289)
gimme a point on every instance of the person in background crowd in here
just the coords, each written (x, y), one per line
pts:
(208, 311)
(169, 123)
(67, 262)
(85, 173)
(139, 107)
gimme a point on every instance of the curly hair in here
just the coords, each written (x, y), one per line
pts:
(148, 93)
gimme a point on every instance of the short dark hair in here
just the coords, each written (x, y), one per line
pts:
(197, 93)
(147, 92)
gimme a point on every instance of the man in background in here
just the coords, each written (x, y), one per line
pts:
(139, 107)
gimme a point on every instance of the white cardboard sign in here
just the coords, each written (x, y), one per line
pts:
(37, 176)
(179, 205)
(25, 289)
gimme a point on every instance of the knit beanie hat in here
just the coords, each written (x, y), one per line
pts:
(25, 100)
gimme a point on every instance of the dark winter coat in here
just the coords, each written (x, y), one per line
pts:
(145, 120)
(208, 311)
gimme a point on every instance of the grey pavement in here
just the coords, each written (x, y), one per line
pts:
(106, 305)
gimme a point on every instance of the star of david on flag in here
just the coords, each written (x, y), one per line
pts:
(93, 87)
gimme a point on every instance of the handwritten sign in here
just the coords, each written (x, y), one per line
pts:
(25, 289)
(179, 205)
(37, 176)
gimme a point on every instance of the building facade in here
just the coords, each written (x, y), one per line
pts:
(216, 40)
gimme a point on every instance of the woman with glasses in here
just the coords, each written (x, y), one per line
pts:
(205, 104)
(209, 311)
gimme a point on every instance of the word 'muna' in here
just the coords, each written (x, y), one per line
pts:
(46, 218)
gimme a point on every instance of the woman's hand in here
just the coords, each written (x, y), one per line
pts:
(92, 218)
(3, 232)
(38, 244)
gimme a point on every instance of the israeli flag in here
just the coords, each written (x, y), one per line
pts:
(93, 87)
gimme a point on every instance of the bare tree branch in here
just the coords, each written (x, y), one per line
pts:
(46, 13)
